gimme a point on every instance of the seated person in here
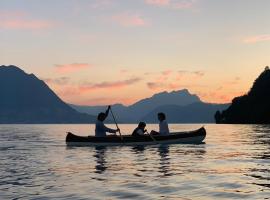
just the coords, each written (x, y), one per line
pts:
(101, 129)
(163, 126)
(140, 130)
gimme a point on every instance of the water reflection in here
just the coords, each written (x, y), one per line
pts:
(164, 154)
(100, 159)
(260, 141)
(138, 149)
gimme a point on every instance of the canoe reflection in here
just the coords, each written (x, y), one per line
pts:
(100, 159)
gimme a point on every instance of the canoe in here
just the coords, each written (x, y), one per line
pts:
(196, 136)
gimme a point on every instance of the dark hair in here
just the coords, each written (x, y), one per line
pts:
(142, 125)
(101, 116)
(162, 116)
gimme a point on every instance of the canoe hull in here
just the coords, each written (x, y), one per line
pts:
(196, 136)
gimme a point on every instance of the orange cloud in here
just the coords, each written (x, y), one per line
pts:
(198, 73)
(257, 38)
(128, 20)
(189, 74)
(170, 79)
(155, 85)
(167, 72)
(109, 85)
(71, 67)
(106, 101)
(18, 20)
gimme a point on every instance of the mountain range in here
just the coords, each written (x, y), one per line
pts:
(180, 107)
(26, 99)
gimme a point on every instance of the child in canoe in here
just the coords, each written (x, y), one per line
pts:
(140, 130)
(163, 126)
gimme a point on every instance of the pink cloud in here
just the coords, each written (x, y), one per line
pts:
(19, 20)
(11, 14)
(183, 4)
(173, 4)
(169, 79)
(257, 38)
(109, 85)
(158, 2)
(71, 67)
(129, 20)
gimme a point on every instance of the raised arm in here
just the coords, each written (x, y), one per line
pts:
(107, 111)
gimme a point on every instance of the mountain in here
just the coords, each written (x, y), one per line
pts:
(193, 113)
(180, 106)
(179, 98)
(26, 99)
(252, 108)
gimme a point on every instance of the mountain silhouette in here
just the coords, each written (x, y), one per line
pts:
(180, 106)
(252, 108)
(26, 99)
(193, 113)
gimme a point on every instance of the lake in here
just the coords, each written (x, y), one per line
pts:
(233, 163)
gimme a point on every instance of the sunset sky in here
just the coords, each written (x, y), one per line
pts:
(94, 52)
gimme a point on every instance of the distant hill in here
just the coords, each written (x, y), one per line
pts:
(193, 113)
(252, 108)
(180, 106)
(26, 99)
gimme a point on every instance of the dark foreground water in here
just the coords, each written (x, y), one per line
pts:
(234, 163)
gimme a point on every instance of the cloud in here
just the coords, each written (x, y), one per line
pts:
(20, 21)
(169, 79)
(101, 4)
(109, 85)
(181, 74)
(106, 101)
(166, 72)
(124, 71)
(173, 4)
(158, 85)
(57, 81)
(155, 85)
(129, 20)
(158, 2)
(257, 38)
(198, 73)
(71, 67)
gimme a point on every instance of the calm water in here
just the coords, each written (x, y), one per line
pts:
(234, 163)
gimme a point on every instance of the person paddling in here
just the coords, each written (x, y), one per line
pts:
(101, 129)
(163, 126)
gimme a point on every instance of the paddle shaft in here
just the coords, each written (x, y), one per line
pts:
(116, 124)
(151, 136)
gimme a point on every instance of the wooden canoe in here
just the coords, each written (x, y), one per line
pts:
(196, 136)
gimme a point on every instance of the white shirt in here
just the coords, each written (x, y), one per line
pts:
(163, 128)
(101, 129)
(140, 132)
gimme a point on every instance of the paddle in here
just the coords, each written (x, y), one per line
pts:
(116, 123)
(151, 136)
